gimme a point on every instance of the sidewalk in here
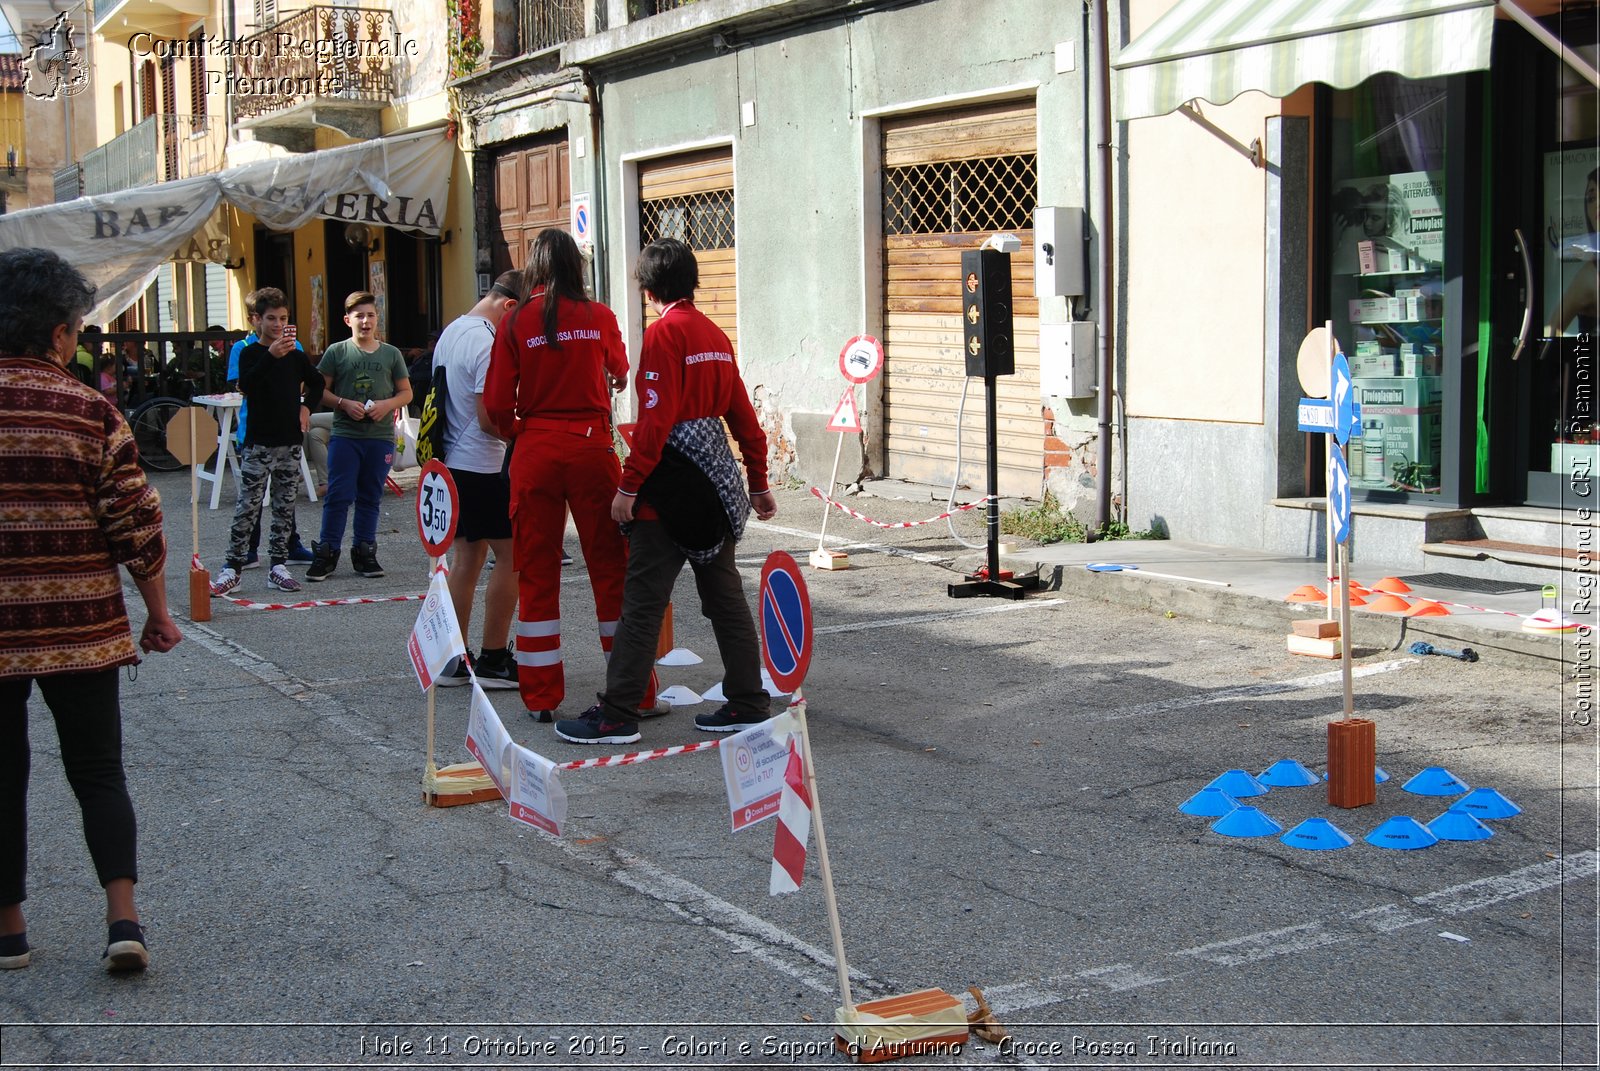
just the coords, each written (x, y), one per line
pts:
(1237, 586)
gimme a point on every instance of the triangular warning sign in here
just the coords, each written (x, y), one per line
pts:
(846, 417)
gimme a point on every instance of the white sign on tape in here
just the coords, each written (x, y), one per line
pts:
(537, 797)
(752, 764)
(436, 637)
(488, 740)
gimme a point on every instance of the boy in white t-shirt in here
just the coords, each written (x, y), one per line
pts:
(475, 456)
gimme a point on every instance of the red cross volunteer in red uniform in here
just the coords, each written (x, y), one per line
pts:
(556, 360)
(685, 500)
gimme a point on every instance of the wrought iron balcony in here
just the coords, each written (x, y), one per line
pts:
(656, 7)
(317, 60)
(161, 148)
(543, 24)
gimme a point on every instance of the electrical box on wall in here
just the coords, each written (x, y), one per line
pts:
(1060, 252)
(1067, 359)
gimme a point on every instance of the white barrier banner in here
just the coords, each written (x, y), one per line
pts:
(753, 762)
(436, 637)
(488, 740)
(537, 797)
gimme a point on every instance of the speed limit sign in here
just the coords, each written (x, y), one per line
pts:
(438, 508)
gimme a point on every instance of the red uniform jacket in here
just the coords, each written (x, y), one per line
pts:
(527, 378)
(686, 372)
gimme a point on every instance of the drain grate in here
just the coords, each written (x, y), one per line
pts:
(1478, 584)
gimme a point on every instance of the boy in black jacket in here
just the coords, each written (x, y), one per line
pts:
(282, 387)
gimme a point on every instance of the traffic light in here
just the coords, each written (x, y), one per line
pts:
(986, 313)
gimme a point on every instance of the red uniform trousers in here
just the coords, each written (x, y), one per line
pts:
(557, 466)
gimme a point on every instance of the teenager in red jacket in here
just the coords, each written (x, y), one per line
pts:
(556, 361)
(685, 500)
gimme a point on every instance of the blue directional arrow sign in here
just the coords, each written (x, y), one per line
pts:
(1339, 495)
(1345, 422)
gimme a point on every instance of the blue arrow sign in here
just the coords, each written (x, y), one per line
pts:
(1339, 495)
(1345, 423)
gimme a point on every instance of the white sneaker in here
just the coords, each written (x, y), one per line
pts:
(225, 582)
(280, 579)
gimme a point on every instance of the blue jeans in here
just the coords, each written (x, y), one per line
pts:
(356, 469)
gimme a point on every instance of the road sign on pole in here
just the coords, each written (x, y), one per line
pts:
(438, 508)
(785, 621)
(1344, 400)
(1339, 495)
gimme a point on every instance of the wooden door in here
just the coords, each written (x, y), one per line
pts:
(532, 191)
(950, 180)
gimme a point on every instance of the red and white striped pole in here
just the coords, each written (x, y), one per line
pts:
(793, 829)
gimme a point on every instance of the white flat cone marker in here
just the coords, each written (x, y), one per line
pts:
(679, 656)
(679, 696)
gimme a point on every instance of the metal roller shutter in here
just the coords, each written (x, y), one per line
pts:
(950, 180)
(690, 197)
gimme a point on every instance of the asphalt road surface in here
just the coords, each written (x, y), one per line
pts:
(1000, 784)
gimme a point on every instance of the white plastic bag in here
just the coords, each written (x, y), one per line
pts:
(405, 442)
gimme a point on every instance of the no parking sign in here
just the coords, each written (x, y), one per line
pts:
(785, 621)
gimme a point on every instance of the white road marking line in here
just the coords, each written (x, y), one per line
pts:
(1317, 933)
(947, 615)
(1485, 892)
(1248, 691)
(1254, 947)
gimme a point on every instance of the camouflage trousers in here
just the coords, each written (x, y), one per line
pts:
(259, 464)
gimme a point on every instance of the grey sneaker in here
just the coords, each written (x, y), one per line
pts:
(727, 720)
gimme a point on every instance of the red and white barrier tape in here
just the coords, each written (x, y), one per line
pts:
(896, 524)
(309, 603)
(633, 758)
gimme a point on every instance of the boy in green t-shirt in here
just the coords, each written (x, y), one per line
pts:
(367, 382)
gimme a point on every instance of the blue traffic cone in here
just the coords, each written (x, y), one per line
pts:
(1209, 803)
(1245, 821)
(1403, 833)
(1287, 773)
(1239, 785)
(1436, 781)
(1317, 835)
(1486, 804)
(1459, 825)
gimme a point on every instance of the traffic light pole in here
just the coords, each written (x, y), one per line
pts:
(989, 581)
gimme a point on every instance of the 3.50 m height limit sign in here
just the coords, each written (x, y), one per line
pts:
(438, 508)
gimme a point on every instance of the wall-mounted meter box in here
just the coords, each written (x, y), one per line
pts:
(1060, 252)
(1067, 359)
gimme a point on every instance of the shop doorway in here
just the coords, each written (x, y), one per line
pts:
(1542, 228)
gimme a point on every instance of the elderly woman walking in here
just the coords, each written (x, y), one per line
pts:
(74, 505)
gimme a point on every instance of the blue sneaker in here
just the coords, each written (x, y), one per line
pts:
(300, 554)
(253, 560)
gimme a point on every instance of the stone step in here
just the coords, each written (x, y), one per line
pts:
(1534, 525)
(1499, 559)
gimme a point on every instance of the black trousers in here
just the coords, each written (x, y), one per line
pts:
(89, 726)
(654, 563)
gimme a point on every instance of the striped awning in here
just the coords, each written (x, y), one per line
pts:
(1216, 49)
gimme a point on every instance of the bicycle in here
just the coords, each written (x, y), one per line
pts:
(148, 420)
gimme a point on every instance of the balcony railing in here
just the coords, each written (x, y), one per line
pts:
(319, 55)
(656, 7)
(67, 182)
(544, 24)
(161, 148)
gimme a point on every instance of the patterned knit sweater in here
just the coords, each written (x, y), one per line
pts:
(73, 504)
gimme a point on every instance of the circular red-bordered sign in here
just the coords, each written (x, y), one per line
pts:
(438, 508)
(861, 359)
(785, 621)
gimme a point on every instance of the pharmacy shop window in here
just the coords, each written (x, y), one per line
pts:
(1386, 234)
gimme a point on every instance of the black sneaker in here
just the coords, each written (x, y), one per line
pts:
(364, 559)
(14, 951)
(125, 947)
(455, 674)
(597, 727)
(727, 720)
(324, 560)
(496, 669)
